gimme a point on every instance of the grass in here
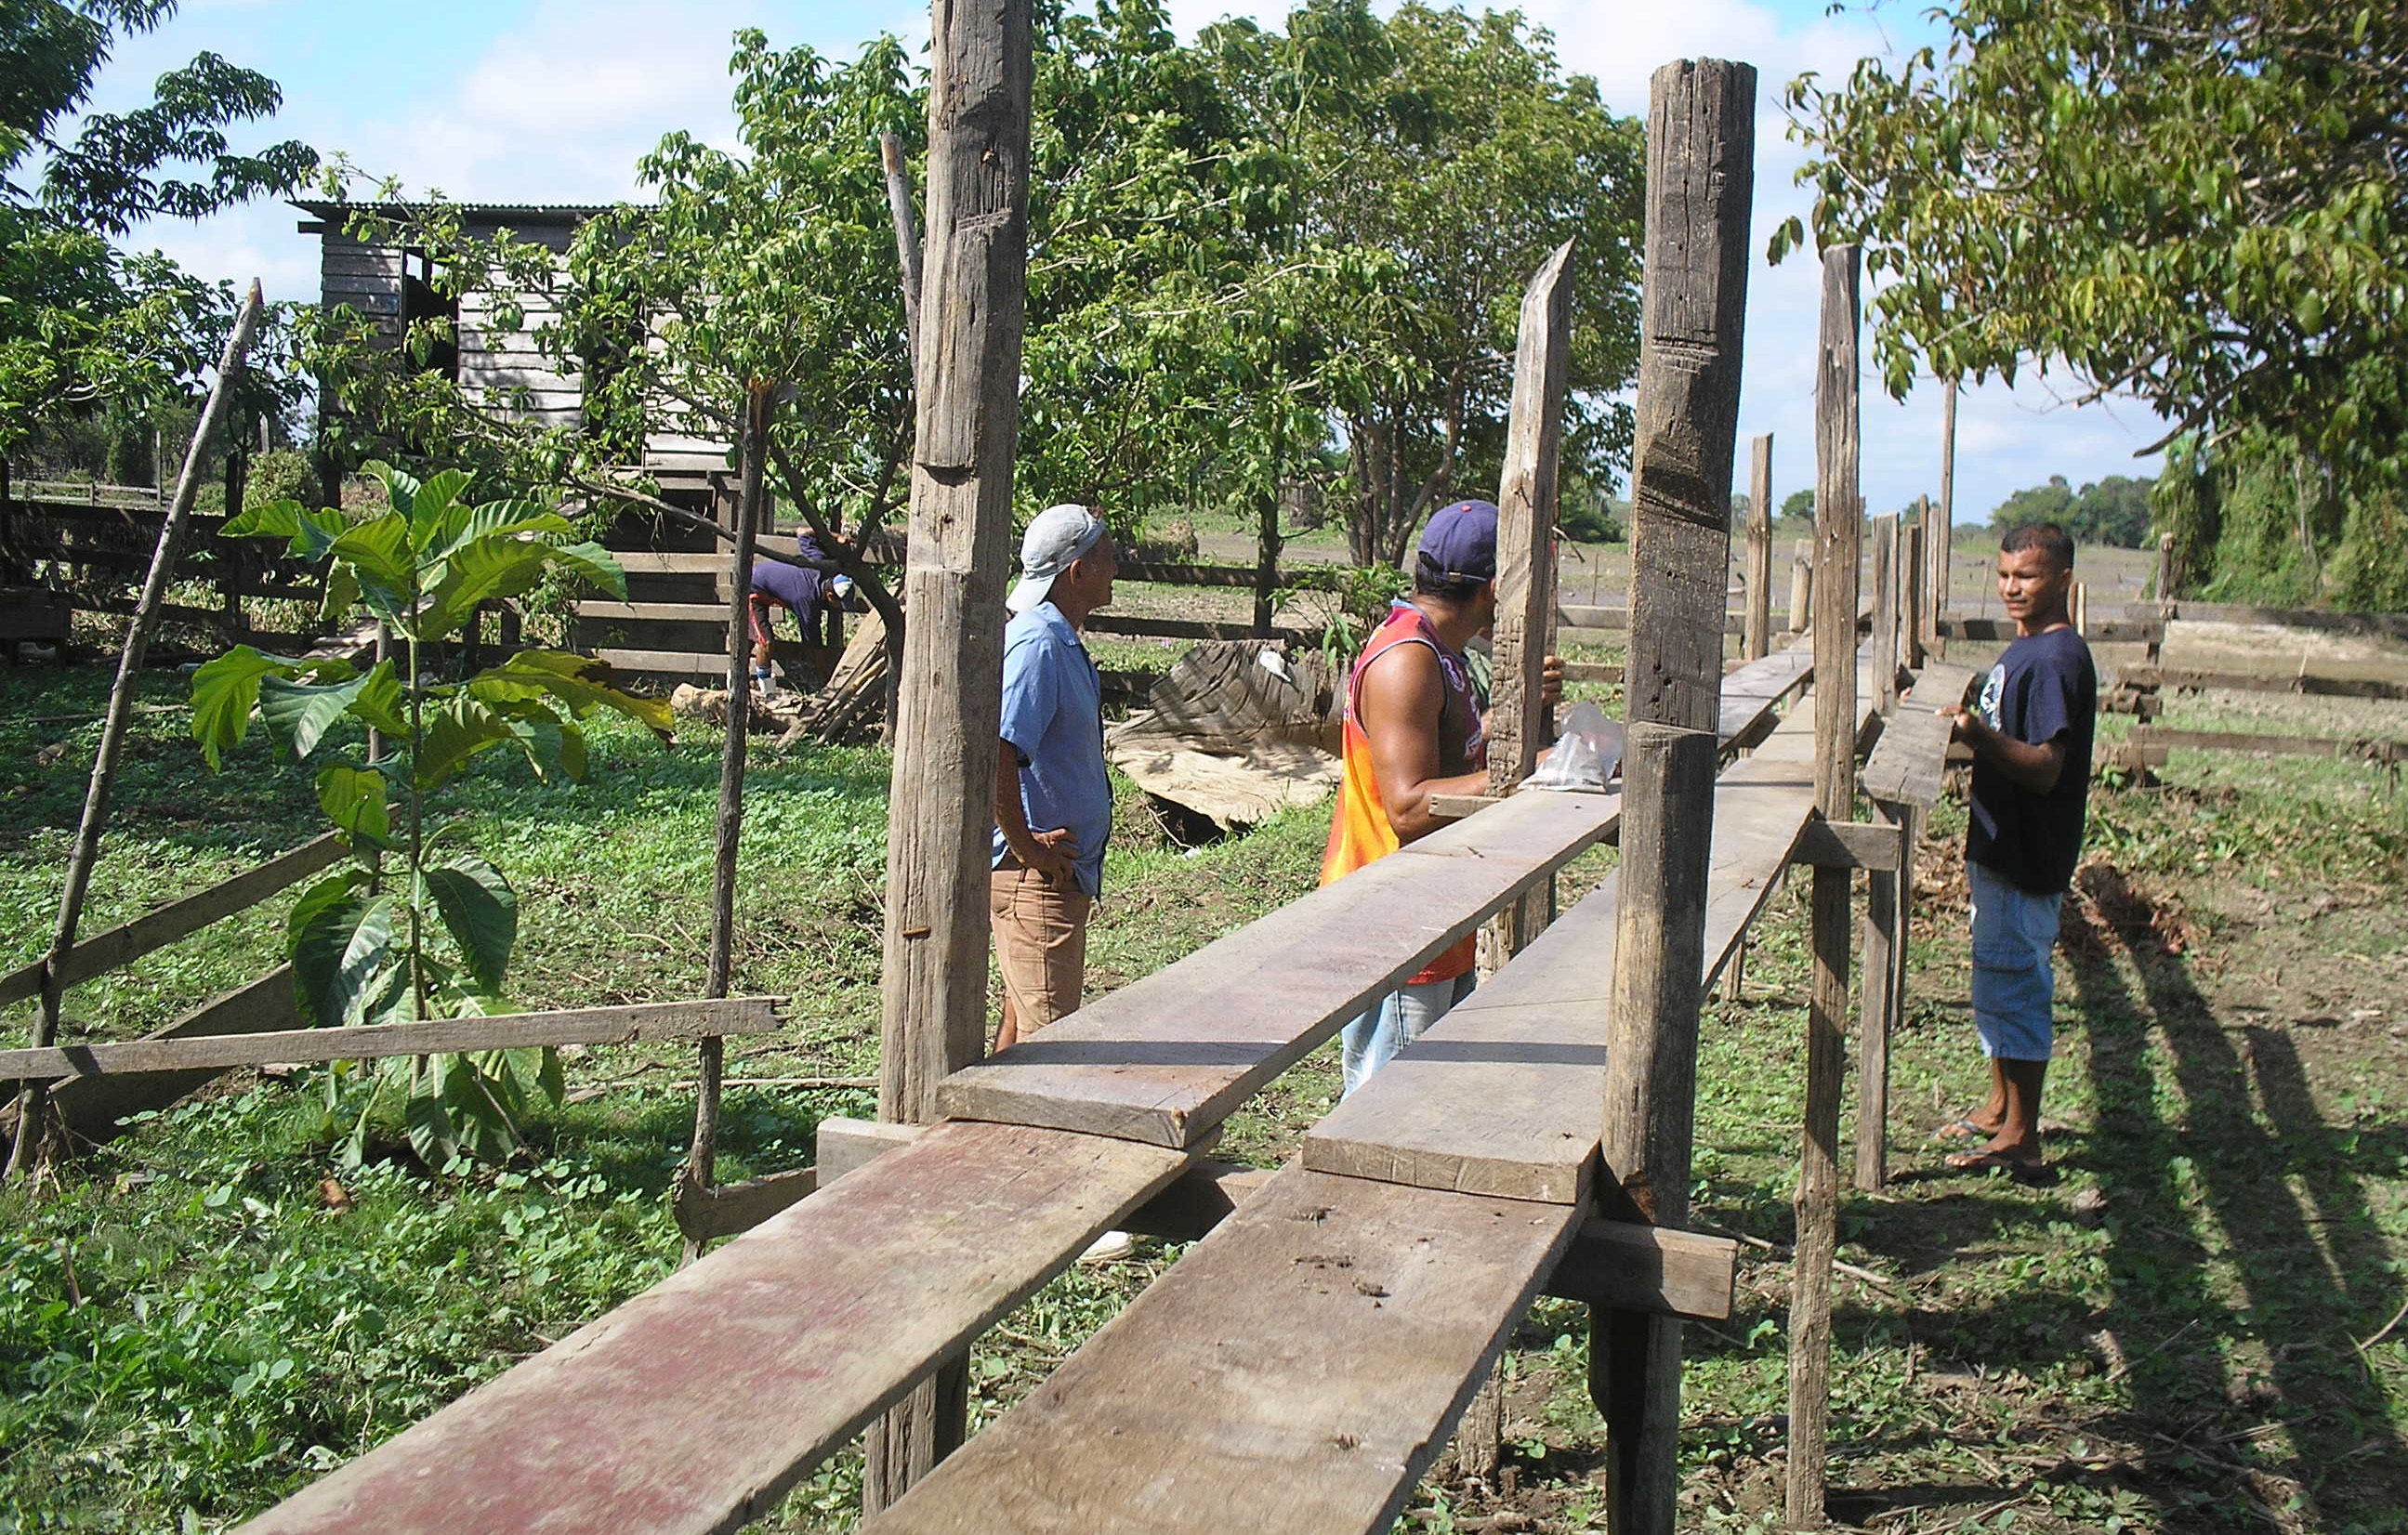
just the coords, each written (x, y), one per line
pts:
(207, 1312)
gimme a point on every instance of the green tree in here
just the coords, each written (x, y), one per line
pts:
(1799, 506)
(2201, 203)
(434, 938)
(82, 323)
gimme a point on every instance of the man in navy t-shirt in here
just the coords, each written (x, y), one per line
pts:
(2031, 735)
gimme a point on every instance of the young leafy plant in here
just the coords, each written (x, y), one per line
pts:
(433, 937)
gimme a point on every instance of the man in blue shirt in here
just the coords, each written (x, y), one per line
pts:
(1053, 801)
(2032, 737)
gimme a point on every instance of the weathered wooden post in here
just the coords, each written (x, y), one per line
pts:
(1913, 581)
(933, 993)
(1756, 629)
(34, 1114)
(702, 1152)
(906, 237)
(1946, 533)
(1882, 992)
(1884, 630)
(1839, 521)
(1524, 634)
(1701, 176)
(1802, 587)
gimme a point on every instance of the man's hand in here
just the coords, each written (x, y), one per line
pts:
(1550, 680)
(1051, 853)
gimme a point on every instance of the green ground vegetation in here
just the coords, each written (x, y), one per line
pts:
(211, 1309)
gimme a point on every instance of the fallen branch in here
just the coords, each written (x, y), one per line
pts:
(1779, 1252)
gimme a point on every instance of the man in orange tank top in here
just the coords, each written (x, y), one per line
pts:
(1413, 732)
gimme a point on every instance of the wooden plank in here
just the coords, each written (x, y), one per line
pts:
(2372, 749)
(436, 1037)
(1500, 1096)
(730, 1210)
(1910, 761)
(1758, 631)
(647, 561)
(1848, 844)
(598, 609)
(93, 1108)
(1187, 628)
(1162, 573)
(1147, 1063)
(1629, 1266)
(665, 663)
(2252, 681)
(1525, 541)
(696, 1405)
(155, 930)
(1617, 620)
(1592, 671)
(2114, 631)
(1297, 1370)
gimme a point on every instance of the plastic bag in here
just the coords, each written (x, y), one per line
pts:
(1585, 754)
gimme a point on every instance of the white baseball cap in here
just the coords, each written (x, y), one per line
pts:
(1057, 536)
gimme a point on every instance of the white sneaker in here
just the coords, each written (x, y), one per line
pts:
(1111, 1245)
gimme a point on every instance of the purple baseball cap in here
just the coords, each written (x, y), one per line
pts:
(1461, 540)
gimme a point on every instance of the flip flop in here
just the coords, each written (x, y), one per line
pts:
(2023, 1170)
(1961, 1130)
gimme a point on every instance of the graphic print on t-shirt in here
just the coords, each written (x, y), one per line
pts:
(1994, 688)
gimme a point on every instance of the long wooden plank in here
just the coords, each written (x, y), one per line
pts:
(2104, 632)
(1297, 1370)
(1500, 1096)
(2264, 681)
(1164, 1058)
(696, 1405)
(441, 1036)
(93, 1108)
(1187, 628)
(1908, 761)
(2372, 749)
(155, 930)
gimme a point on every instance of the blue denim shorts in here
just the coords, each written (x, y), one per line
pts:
(1394, 1022)
(2015, 985)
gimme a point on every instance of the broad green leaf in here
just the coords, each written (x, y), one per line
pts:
(311, 531)
(479, 911)
(503, 565)
(378, 553)
(495, 519)
(400, 486)
(436, 497)
(457, 730)
(379, 700)
(572, 679)
(301, 712)
(224, 692)
(343, 953)
(354, 799)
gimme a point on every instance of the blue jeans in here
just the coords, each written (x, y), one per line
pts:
(2015, 985)
(1396, 1020)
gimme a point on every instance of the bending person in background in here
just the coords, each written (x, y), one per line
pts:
(2032, 736)
(813, 596)
(1413, 732)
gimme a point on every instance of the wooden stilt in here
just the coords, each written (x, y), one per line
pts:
(1525, 622)
(702, 1151)
(1802, 587)
(1947, 532)
(1914, 568)
(971, 314)
(1885, 631)
(1701, 176)
(1757, 635)
(1838, 524)
(33, 1105)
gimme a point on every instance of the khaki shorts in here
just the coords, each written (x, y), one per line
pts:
(1040, 942)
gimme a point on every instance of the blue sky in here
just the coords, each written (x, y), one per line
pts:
(553, 101)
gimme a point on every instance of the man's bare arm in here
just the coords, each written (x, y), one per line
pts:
(2035, 767)
(1049, 853)
(1398, 703)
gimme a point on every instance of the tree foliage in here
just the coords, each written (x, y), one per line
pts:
(2201, 203)
(2113, 511)
(82, 322)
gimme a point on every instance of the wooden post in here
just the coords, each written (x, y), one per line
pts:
(1838, 529)
(1885, 631)
(32, 1102)
(1525, 620)
(1701, 177)
(933, 996)
(1757, 627)
(1914, 572)
(702, 1152)
(906, 237)
(2082, 609)
(1267, 541)
(1802, 587)
(1888, 896)
(1941, 547)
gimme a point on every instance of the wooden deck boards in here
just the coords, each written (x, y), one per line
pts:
(695, 1405)
(1164, 1058)
(1502, 1096)
(1297, 1370)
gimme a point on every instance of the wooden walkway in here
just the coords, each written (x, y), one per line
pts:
(1330, 1330)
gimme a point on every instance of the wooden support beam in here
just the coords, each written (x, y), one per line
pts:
(1801, 588)
(1631, 1266)
(1914, 575)
(972, 310)
(1848, 844)
(1838, 522)
(1756, 637)
(371, 1041)
(161, 926)
(2104, 631)
(1592, 671)
(1701, 177)
(2372, 749)
(1886, 615)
